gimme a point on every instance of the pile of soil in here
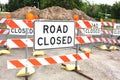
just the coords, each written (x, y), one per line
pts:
(51, 13)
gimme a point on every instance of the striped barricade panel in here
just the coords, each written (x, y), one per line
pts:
(4, 31)
(96, 39)
(20, 43)
(83, 24)
(2, 20)
(20, 63)
(82, 39)
(107, 32)
(19, 27)
(106, 23)
(3, 42)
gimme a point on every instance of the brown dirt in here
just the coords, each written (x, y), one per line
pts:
(52, 13)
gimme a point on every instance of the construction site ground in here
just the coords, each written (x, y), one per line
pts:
(102, 65)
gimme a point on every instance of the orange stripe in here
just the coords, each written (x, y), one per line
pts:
(17, 63)
(12, 24)
(95, 39)
(89, 37)
(51, 60)
(87, 54)
(29, 23)
(112, 41)
(34, 62)
(77, 25)
(32, 39)
(65, 59)
(19, 43)
(101, 40)
(102, 24)
(106, 40)
(3, 42)
(87, 24)
(116, 41)
(77, 57)
(1, 31)
(80, 40)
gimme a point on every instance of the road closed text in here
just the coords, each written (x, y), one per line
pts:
(54, 34)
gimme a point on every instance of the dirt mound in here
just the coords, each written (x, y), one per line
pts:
(52, 13)
(21, 13)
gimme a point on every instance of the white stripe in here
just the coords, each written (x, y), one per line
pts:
(11, 44)
(71, 58)
(82, 25)
(10, 66)
(82, 55)
(28, 42)
(25, 62)
(20, 23)
(85, 38)
(42, 61)
(2, 20)
(76, 41)
(58, 59)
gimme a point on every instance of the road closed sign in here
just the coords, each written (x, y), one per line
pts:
(95, 30)
(53, 34)
(116, 30)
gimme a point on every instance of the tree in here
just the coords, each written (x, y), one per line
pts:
(115, 11)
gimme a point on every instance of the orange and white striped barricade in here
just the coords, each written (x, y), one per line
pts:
(109, 31)
(3, 42)
(2, 20)
(20, 63)
(82, 39)
(107, 23)
(19, 27)
(20, 43)
(3, 31)
(106, 32)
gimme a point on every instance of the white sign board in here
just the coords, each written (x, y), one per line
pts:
(21, 31)
(95, 30)
(53, 34)
(116, 29)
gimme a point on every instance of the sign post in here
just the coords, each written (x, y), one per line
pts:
(53, 34)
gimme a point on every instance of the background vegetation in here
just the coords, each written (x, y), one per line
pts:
(93, 10)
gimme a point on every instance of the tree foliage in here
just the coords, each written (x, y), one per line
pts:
(115, 11)
(93, 10)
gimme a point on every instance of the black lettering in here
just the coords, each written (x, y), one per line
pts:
(13, 30)
(31, 31)
(45, 28)
(45, 43)
(65, 28)
(64, 40)
(69, 39)
(24, 30)
(40, 41)
(19, 30)
(59, 29)
(52, 28)
(52, 40)
(58, 40)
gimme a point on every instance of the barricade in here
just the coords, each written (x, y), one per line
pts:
(20, 63)
(82, 37)
(3, 31)
(28, 42)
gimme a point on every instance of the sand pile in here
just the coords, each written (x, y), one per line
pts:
(52, 13)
